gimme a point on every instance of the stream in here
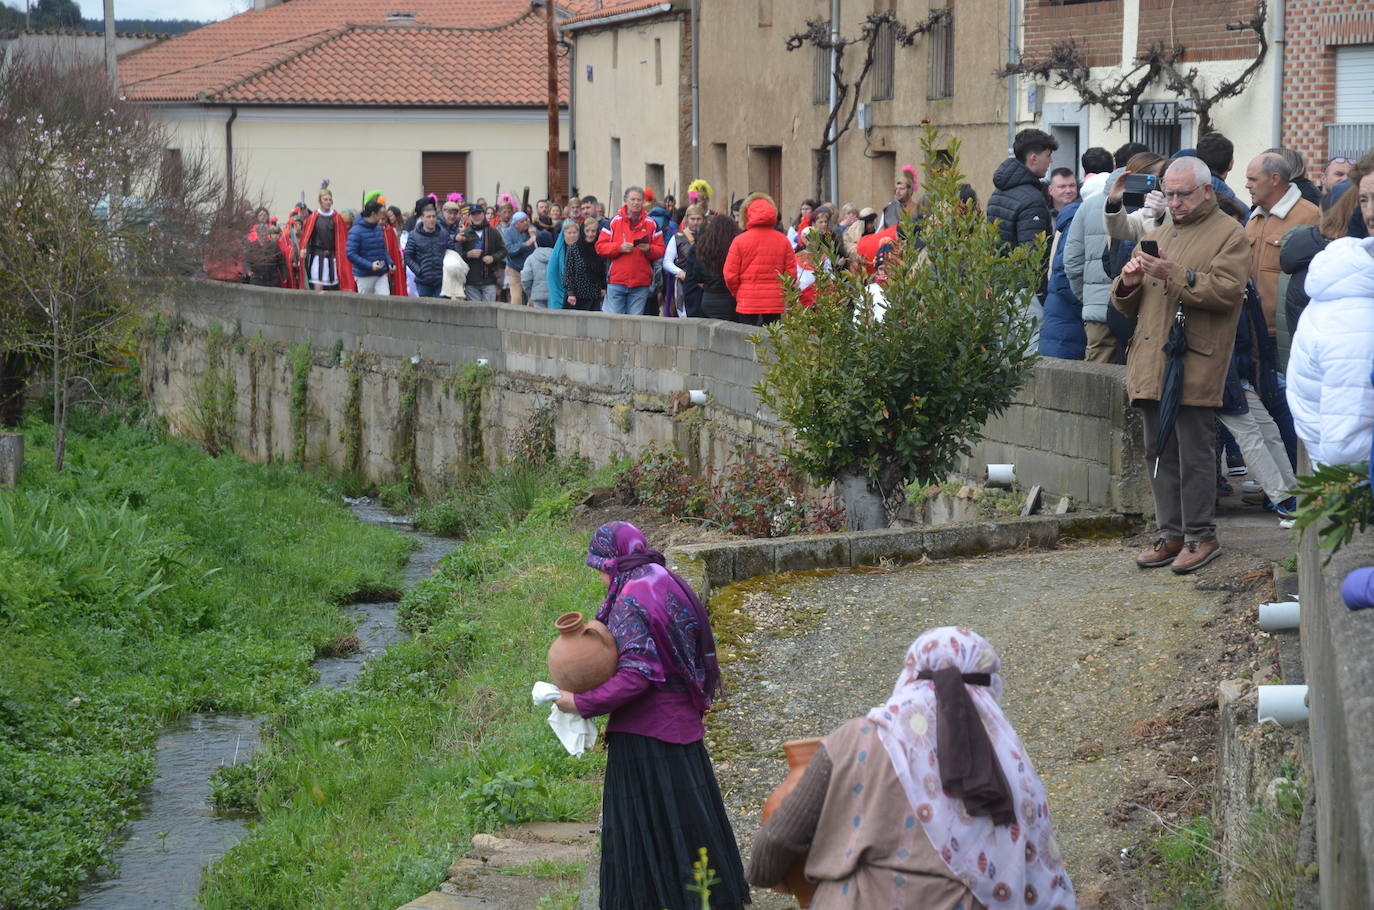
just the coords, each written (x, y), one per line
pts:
(177, 833)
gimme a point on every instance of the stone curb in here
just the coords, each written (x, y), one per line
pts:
(710, 566)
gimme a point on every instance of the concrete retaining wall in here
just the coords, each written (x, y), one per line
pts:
(610, 385)
(1338, 661)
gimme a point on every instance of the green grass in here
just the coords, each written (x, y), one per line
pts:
(366, 796)
(1187, 869)
(144, 582)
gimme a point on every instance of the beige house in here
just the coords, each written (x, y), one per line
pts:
(631, 97)
(441, 97)
(740, 109)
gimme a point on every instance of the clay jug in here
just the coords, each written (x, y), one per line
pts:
(798, 752)
(583, 656)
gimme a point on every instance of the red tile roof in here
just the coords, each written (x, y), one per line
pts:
(615, 9)
(457, 53)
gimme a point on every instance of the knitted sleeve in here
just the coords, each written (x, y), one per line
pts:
(786, 836)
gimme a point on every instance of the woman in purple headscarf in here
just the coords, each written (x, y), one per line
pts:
(661, 803)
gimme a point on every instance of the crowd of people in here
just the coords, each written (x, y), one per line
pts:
(928, 800)
(1141, 245)
(1146, 243)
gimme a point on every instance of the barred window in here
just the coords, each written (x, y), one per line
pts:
(940, 40)
(820, 87)
(884, 61)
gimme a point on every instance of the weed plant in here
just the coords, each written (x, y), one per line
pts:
(366, 796)
(144, 582)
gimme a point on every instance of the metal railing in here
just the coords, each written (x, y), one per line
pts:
(1349, 140)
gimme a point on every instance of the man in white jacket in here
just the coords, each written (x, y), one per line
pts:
(1329, 390)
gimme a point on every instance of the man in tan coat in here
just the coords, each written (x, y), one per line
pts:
(1278, 206)
(1200, 272)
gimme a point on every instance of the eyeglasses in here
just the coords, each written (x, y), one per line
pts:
(1178, 194)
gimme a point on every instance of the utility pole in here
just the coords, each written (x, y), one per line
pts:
(110, 48)
(555, 191)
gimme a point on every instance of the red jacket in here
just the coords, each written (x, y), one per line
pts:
(634, 269)
(758, 259)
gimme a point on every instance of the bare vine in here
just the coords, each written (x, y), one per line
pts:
(1067, 67)
(845, 110)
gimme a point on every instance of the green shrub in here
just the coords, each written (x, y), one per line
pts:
(900, 397)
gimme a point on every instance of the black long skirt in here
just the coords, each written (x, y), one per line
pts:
(660, 807)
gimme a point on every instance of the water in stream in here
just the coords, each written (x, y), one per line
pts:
(177, 833)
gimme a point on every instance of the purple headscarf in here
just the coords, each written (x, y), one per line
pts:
(640, 574)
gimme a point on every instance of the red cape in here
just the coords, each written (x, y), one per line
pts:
(346, 282)
(869, 245)
(399, 288)
(285, 243)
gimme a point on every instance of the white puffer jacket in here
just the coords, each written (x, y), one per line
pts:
(1329, 389)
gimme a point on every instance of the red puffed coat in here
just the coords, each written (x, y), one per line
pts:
(759, 258)
(634, 269)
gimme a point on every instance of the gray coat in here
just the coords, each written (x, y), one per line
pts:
(1083, 246)
(535, 274)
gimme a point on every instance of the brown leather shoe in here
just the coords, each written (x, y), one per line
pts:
(1161, 554)
(1195, 555)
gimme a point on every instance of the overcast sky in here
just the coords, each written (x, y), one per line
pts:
(204, 10)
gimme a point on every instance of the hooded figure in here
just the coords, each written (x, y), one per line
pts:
(928, 801)
(661, 803)
(757, 262)
(534, 275)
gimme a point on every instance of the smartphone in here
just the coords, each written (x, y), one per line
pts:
(1150, 248)
(1136, 186)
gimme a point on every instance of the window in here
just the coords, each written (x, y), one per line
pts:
(765, 170)
(820, 81)
(615, 172)
(822, 167)
(615, 50)
(444, 172)
(562, 191)
(658, 61)
(172, 175)
(884, 60)
(720, 169)
(765, 13)
(941, 44)
(654, 177)
(1159, 126)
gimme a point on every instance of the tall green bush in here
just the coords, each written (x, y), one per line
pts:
(878, 399)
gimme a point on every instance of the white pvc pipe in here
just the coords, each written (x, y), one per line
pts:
(1277, 617)
(697, 396)
(1000, 475)
(1284, 705)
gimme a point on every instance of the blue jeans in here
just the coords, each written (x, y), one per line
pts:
(626, 300)
(426, 290)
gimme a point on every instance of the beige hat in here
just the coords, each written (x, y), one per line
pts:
(867, 212)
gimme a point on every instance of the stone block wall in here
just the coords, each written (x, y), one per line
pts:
(1338, 662)
(391, 386)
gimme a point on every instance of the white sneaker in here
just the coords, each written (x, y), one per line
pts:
(1238, 470)
(1249, 486)
(1285, 523)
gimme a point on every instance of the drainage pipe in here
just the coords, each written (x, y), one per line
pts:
(1277, 617)
(1283, 705)
(1013, 57)
(834, 150)
(1279, 42)
(229, 155)
(695, 19)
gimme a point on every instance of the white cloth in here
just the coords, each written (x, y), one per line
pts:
(455, 276)
(576, 733)
(1260, 443)
(1329, 389)
(999, 864)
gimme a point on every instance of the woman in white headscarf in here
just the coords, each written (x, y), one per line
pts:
(929, 801)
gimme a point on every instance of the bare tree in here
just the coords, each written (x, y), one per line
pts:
(94, 200)
(848, 91)
(1067, 67)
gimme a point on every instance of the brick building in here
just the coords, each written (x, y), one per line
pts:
(1328, 89)
(1112, 36)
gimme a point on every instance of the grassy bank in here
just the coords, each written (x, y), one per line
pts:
(144, 582)
(365, 796)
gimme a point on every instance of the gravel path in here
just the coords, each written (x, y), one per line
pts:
(1086, 642)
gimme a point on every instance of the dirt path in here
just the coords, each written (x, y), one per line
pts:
(1106, 668)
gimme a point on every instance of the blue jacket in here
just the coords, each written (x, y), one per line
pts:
(516, 250)
(557, 259)
(1061, 332)
(425, 253)
(366, 245)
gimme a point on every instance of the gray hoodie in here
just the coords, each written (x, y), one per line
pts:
(1084, 243)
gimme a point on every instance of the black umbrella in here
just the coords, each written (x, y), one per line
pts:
(1171, 389)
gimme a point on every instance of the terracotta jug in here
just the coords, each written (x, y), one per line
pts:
(583, 656)
(798, 752)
